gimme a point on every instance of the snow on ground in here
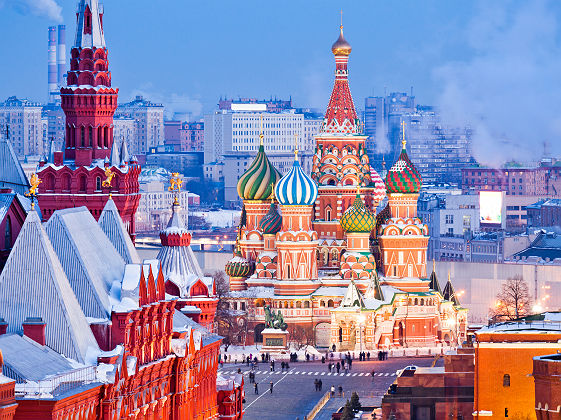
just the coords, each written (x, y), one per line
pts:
(221, 219)
(236, 354)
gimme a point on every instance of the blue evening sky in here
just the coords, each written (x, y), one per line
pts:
(493, 61)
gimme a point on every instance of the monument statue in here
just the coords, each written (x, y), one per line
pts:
(275, 321)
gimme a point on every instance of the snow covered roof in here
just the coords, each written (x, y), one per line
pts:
(38, 363)
(253, 292)
(94, 38)
(182, 322)
(353, 297)
(11, 172)
(330, 291)
(112, 225)
(90, 261)
(33, 284)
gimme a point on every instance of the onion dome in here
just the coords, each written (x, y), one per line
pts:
(379, 185)
(358, 218)
(238, 266)
(341, 46)
(296, 188)
(271, 223)
(257, 182)
(403, 177)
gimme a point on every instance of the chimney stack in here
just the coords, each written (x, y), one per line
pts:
(61, 56)
(34, 328)
(52, 72)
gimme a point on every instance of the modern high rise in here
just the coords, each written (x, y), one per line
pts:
(382, 119)
(91, 168)
(20, 120)
(149, 119)
(231, 139)
(439, 151)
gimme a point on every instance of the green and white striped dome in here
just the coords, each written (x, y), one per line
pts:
(257, 182)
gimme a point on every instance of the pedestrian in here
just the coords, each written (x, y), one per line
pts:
(368, 356)
(273, 362)
(338, 367)
(332, 390)
(343, 363)
(323, 359)
(340, 390)
(316, 384)
(373, 373)
(263, 357)
(286, 366)
(282, 366)
(350, 364)
(271, 387)
(320, 383)
(255, 388)
(329, 367)
(307, 357)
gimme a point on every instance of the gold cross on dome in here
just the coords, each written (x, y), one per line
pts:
(261, 130)
(341, 18)
(295, 146)
(403, 141)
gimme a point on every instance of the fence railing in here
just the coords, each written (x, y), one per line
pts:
(320, 404)
(58, 384)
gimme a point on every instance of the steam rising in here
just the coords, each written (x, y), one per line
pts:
(43, 8)
(509, 91)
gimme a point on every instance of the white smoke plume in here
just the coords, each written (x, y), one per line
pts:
(43, 8)
(174, 103)
(509, 90)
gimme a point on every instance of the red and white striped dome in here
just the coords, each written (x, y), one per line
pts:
(379, 185)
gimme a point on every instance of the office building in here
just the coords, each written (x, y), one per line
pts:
(149, 121)
(21, 122)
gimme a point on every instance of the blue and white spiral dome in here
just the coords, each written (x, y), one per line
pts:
(296, 188)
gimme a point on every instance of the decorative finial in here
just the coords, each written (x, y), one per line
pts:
(403, 141)
(175, 186)
(358, 189)
(433, 266)
(272, 192)
(34, 180)
(341, 19)
(448, 276)
(109, 177)
(261, 130)
(295, 146)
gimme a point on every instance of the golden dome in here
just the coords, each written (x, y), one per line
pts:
(341, 46)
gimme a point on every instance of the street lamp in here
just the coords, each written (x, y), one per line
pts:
(361, 319)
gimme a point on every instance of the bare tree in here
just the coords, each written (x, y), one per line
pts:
(513, 301)
(230, 323)
(300, 336)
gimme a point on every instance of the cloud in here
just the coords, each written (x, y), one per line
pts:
(508, 90)
(175, 103)
(43, 8)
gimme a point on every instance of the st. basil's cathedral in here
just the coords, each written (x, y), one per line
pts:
(340, 253)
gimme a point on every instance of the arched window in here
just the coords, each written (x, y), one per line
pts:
(322, 303)
(416, 301)
(98, 183)
(66, 182)
(8, 233)
(82, 183)
(82, 136)
(243, 306)
(330, 303)
(298, 305)
(340, 335)
(394, 271)
(306, 304)
(328, 214)
(506, 380)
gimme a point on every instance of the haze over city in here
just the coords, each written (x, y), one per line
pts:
(473, 59)
(309, 210)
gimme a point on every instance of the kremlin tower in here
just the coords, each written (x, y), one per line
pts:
(92, 167)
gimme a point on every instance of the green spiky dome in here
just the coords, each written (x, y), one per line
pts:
(271, 223)
(257, 182)
(238, 266)
(358, 218)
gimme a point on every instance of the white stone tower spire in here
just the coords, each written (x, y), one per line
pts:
(89, 25)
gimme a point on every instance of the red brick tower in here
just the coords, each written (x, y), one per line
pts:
(340, 163)
(93, 167)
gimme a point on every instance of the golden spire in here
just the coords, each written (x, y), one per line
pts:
(272, 192)
(433, 266)
(295, 146)
(403, 141)
(341, 19)
(261, 129)
(175, 185)
(448, 276)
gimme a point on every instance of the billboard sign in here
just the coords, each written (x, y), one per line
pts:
(490, 207)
